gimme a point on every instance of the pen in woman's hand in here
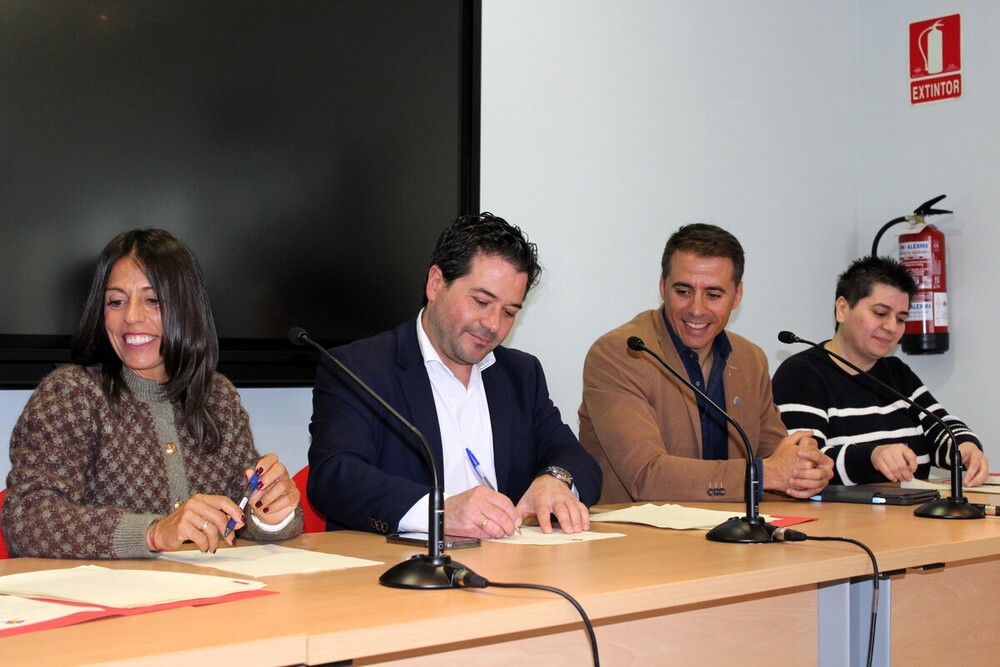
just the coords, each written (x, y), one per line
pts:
(251, 487)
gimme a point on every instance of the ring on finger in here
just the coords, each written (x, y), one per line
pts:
(204, 525)
(485, 521)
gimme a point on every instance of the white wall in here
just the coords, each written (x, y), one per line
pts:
(607, 124)
(11, 404)
(909, 154)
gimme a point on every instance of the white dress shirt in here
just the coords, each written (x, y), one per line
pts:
(464, 419)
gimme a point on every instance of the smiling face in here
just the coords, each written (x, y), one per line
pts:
(699, 295)
(132, 320)
(872, 328)
(468, 318)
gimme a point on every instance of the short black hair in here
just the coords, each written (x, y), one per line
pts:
(487, 234)
(704, 240)
(860, 278)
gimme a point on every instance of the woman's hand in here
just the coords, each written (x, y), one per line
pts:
(977, 467)
(897, 462)
(276, 496)
(201, 519)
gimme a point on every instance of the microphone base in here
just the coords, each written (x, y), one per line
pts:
(420, 572)
(742, 530)
(948, 508)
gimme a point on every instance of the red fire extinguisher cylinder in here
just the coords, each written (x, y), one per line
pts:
(922, 251)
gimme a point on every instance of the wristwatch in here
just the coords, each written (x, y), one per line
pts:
(559, 473)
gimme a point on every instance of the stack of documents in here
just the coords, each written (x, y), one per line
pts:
(77, 594)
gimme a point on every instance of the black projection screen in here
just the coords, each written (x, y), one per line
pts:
(308, 151)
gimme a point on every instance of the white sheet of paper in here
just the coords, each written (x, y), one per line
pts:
(16, 611)
(676, 517)
(92, 584)
(534, 535)
(266, 560)
(944, 486)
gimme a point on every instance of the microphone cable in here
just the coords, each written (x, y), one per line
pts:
(462, 577)
(788, 535)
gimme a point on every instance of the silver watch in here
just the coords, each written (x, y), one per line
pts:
(559, 473)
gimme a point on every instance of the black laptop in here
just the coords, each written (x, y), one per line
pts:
(876, 494)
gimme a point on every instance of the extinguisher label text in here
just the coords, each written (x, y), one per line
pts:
(914, 249)
(917, 257)
(921, 311)
(931, 311)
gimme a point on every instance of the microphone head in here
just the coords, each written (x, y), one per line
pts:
(635, 344)
(298, 336)
(788, 337)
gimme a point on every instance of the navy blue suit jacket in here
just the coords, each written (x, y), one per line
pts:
(366, 470)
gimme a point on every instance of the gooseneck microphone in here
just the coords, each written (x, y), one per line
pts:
(957, 506)
(426, 571)
(750, 529)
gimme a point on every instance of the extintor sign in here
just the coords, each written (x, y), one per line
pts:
(936, 59)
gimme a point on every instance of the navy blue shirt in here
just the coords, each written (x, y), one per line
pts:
(714, 427)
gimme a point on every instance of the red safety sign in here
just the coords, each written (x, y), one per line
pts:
(936, 59)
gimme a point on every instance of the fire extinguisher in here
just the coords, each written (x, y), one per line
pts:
(921, 250)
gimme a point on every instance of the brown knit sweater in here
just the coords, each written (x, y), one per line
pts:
(86, 482)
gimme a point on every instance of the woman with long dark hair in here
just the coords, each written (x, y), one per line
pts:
(140, 446)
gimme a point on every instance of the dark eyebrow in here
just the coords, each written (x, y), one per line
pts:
(714, 288)
(889, 308)
(486, 292)
(112, 288)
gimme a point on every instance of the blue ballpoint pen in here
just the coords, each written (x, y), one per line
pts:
(483, 478)
(479, 473)
(251, 487)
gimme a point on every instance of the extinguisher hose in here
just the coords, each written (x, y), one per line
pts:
(885, 227)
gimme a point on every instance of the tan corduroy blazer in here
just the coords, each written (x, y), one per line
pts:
(642, 424)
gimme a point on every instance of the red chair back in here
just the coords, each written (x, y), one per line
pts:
(313, 521)
(3, 544)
